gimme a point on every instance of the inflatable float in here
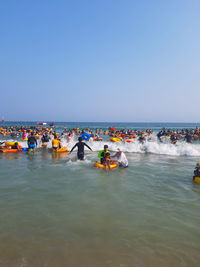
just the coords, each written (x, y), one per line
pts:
(11, 143)
(10, 150)
(98, 164)
(196, 180)
(44, 145)
(60, 150)
(97, 139)
(85, 136)
(115, 139)
(129, 141)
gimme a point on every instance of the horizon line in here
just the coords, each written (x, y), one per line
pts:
(102, 121)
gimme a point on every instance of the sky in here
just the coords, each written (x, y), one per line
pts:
(100, 60)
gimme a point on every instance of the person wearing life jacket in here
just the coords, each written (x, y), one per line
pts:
(104, 154)
(56, 143)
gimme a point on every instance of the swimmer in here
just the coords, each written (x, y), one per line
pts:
(56, 143)
(104, 156)
(16, 146)
(121, 158)
(80, 145)
(197, 171)
(45, 138)
(32, 142)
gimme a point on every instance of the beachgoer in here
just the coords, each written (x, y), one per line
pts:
(69, 137)
(197, 171)
(104, 154)
(32, 142)
(121, 158)
(188, 138)
(56, 143)
(80, 145)
(16, 146)
(45, 138)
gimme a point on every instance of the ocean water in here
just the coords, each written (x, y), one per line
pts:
(57, 211)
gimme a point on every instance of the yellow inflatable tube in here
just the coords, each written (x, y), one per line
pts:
(115, 139)
(196, 180)
(60, 150)
(11, 143)
(101, 166)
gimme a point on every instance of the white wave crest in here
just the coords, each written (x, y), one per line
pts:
(154, 147)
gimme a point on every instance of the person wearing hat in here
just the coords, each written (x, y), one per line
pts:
(197, 171)
(121, 158)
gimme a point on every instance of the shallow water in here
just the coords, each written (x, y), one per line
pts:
(57, 211)
(62, 212)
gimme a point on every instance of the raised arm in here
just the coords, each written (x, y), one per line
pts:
(73, 147)
(87, 146)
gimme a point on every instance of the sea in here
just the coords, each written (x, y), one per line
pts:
(56, 211)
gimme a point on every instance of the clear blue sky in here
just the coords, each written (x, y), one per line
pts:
(100, 60)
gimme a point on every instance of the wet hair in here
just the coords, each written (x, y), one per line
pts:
(80, 139)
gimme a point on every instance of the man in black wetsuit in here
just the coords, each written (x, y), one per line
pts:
(80, 145)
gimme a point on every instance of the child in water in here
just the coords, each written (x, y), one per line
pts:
(197, 171)
(107, 161)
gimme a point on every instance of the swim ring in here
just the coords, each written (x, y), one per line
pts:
(196, 180)
(11, 143)
(60, 150)
(10, 150)
(129, 141)
(44, 145)
(115, 139)
(98, 164)
(85, 136)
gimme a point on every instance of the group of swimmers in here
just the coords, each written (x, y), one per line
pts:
(188, 135)
(124, 135)
(104, 155)
(32, 140)
(32, 134)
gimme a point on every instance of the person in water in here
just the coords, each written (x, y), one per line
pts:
(173, 139)
(197, 171)
(16, 146)
(104, 156)
(188, 138)
(56, 143)
(141, 139)
(121, 158)
(32, 142)
(45, 138)
(69, 137)
(80, 145)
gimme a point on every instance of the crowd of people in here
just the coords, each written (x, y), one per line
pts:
(188, 135)
(35, 134)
